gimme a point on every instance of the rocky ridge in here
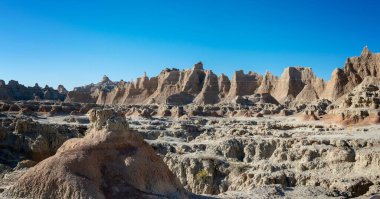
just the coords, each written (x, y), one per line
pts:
(295, 86)
(15, 91)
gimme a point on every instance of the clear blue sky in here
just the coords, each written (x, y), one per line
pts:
(76, 42)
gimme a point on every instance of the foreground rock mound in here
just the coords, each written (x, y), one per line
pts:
(111, 161)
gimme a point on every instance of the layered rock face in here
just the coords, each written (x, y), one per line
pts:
(244, 84)
(199, 86)
(171, 86)
(353, 73)
(24, 139)
(268, 83)
(360, 106)
(298, 84)
(129, 92)
(210, 91)
(224, 85)
(176, 85)
(111, 161)
(90, 93)
(15, 91)
(252, 136)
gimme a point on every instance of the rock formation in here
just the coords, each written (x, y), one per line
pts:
(171, 86)
(24, 139)
(262, 98)
(352, 74)
(15, 91)
(360, 106)
(243, 84)
(250, 147)
(210, 91)
(224, 85)
(296, 85)
(91, 92)
(174, 85)
(129, 92)
(61, 89)
(111, 161)
(168, 84)
(268, 83)
(295, 81)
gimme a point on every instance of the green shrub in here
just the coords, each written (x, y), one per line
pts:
(201, 175)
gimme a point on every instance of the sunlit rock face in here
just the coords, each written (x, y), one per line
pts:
(111, 161)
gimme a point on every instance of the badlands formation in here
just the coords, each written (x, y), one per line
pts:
(193, 134)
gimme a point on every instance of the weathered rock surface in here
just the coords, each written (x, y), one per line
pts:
(15, 91)
(298, 84)
(360, 106)
(225, 150)
(46, 108)
(224, 85)
(241, 156)
(243, 84)
(111, 161)
(25, 139)
(130, 92)
(90, 93)
(268, 83)
(352, 74)
(210, 91)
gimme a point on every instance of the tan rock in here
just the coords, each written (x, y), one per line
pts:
(210, 91)
(111, 161)
(224, 85)
(293, 81)
(268, 83)
(353, 73)
(243, 84)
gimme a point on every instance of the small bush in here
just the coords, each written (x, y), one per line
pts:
(201, 175)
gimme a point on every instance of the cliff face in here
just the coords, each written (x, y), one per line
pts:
(90, 93)
(352, 74)
(210, 91)
(171, 86)
(267, 84)
(129, 92)
(297, 84)
(224, 85)
(15, 91)
(243, 84)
